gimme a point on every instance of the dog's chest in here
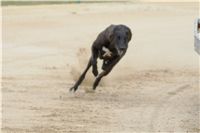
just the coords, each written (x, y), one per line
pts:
(106, 52)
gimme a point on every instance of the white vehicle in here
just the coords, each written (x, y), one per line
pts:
(197, 36)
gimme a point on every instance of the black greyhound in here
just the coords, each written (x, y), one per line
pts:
(110, 46)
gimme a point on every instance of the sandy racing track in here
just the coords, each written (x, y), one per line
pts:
(155, 88)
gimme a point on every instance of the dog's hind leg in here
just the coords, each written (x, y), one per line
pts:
(81, 78)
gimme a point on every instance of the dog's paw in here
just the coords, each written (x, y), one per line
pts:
(95, 72)
(73, 88)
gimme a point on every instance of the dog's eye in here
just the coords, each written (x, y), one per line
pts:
(119, 37)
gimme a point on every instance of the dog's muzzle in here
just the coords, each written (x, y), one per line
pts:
(120, 51)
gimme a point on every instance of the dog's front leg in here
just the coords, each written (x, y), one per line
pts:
(106, 71)
(94, 61)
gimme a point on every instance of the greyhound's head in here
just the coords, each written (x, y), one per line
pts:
(119, 38)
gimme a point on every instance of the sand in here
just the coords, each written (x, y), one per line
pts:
(154, 88)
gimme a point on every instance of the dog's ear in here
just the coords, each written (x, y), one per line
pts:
(129, 34)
